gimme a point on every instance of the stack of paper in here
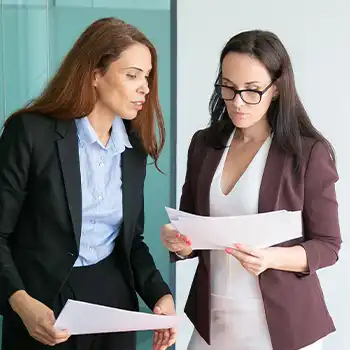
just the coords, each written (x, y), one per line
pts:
(259, 230)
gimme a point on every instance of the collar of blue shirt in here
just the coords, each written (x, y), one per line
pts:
(118, 141)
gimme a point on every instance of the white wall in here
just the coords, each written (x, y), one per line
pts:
(316, 34)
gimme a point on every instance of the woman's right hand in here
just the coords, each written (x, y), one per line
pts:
(37, 318)
(174, 241)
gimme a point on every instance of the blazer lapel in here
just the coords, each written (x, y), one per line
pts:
(205, 177)
(270, 187)
(133, 172)
(69, 157)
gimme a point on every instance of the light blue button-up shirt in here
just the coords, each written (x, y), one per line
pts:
(101, 183)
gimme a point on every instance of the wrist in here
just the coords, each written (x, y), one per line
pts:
(185, 252)
(273, 258)
(18, 299)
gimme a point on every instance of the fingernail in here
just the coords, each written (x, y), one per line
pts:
(178, 235)
(229, 250)
(237, 245)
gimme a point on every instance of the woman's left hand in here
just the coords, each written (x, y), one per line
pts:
(253, 260)
(164, 338)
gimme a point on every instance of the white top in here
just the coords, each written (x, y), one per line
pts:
(238, 320)
(242, 200)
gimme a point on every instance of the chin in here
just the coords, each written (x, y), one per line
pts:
(241, 124)
(128, 115)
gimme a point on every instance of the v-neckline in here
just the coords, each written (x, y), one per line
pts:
(224, 156)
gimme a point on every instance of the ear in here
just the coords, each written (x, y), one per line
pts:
(96, 75)
(275, 93)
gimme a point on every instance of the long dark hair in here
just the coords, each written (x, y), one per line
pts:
(286, 115)
(98, 46)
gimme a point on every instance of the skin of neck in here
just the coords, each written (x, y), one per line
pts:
(255, 133)
(101, 119)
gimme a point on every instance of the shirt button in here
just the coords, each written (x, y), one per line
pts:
(93, 221)
(101, 164)
(100, 198)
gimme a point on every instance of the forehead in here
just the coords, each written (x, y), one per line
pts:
(137, 55)
(241, 68)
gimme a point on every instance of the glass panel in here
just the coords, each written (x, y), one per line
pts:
(25, 2)
(25, 51)
(125, 4)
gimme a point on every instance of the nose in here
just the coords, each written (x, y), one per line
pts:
(237, 101)
(144, 89)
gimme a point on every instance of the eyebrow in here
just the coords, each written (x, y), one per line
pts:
(247, 83)
(137, 68)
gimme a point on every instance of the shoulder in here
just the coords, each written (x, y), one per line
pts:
(319, 160)
(31, 124)
(198, 144)
(214, 136)
(202, 137)
(199, 137)
(314, 149)
(29, 120)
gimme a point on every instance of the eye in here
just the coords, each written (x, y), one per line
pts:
(131, 76)
(253, 88)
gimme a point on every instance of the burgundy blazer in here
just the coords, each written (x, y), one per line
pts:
(294, 303)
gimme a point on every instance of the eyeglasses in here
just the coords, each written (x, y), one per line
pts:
(249, 96)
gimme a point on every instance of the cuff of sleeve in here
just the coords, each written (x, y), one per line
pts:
(313, 259)
(180, 256)
(8, 288)
(161, 291)
(177, 257)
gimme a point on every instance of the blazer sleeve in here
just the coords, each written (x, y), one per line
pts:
(149, 283)
(15, 154)
(320, 213)
(187, 196)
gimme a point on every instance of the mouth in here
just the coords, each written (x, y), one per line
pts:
(138, 104)
(239, 114)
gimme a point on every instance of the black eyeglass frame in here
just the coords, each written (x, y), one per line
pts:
(236, 91)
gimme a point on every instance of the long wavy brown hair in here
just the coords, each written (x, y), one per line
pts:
(97, 47)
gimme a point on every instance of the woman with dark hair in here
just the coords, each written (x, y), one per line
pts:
(260, 153)
(72, 170)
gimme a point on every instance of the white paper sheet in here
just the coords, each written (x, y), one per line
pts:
(259, 230)
(85, 318)
(198, 240)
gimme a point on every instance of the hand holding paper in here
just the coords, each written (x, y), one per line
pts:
(174, 241)
(254, 260)
(258, 230)
(164, 338)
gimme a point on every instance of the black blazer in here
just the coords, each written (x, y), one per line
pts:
(41, 211)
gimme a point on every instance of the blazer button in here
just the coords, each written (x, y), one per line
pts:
(71, 254)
